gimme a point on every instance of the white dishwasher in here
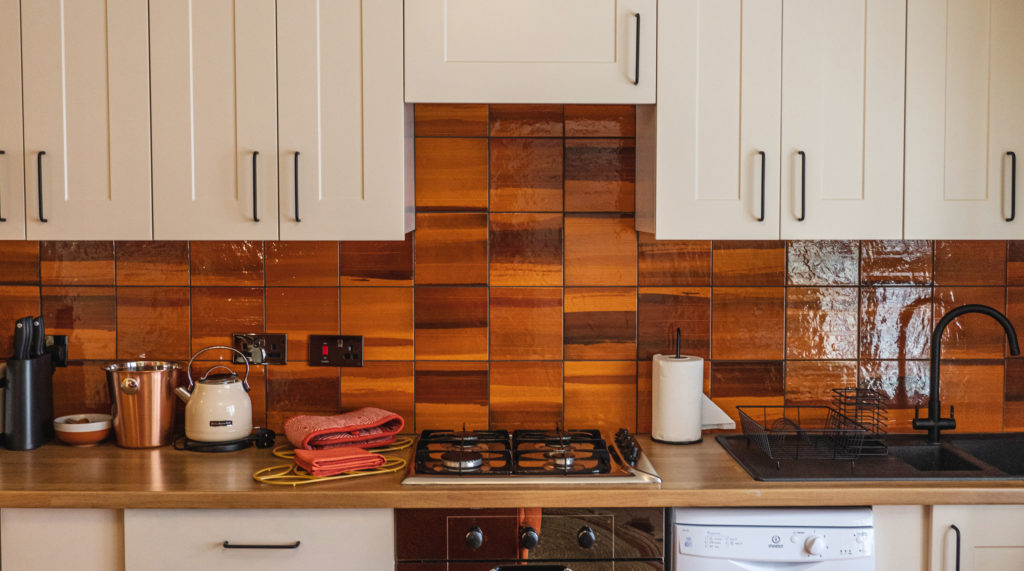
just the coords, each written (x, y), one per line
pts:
(772, 539)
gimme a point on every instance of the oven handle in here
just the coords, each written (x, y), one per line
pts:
(534, 567)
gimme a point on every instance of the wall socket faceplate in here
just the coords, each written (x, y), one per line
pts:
(260, 348)
(336, 350)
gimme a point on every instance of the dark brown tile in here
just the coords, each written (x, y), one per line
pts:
(86, 315)
(450, 120)
(526, 175)
(16, 301)
(525, 249)
(217, 312)
(749, 323)
(381, 384)
(1014, 388)
(526, 323)
(600, 394)
(970, 262)
(673, 262)
(302, 263)
(600, 121)
(600, 323)
(451, 323)
(1015, 309)
(975, 388)
(811, 382)
(376, 263)
(1015, 262)
(76, 263)
(234, 263)
(300, 312)
(20, 262)
(895, 322)
(526, 120)
(297, 388)
(384, 317)
(451, 248)
(600, 175)
(896, 262)
(748, 383)
(903, 383)
(153, 323)
(80, 387)
(821, 322)
(600, 250)
(971, 336)
(526, 395)
(660, 310)
(451, 174)
(748, 262)
(450, 395)
(161, 263)
(823, 262)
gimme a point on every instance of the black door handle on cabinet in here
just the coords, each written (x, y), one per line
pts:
(957, 531)
(255, 212)
(636, 77)
(1013, 185)
(297, 219)
(2, 219)
(763, 160)
(229, 545)
(803, 186)
(39, 175)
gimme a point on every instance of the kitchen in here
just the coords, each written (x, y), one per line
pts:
(526, 297)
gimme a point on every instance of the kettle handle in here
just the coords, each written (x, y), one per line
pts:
(188, 369)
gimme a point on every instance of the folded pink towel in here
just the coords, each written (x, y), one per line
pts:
(364, 427)
(337, 461)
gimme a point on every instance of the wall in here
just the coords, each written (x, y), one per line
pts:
(531, 300)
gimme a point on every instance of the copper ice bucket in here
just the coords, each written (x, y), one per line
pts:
(142, 395)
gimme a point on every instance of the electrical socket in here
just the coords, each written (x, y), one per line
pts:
(260, 348)
(336, 350)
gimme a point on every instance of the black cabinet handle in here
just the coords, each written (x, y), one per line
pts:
(636, 78)
(39, 174)
(763, 161)
(957, 530)
(1013, 185)
(2, 219)
(229, 545)
(803, 186)
(255, 213)
(297, 219)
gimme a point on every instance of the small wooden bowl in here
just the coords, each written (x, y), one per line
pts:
(83, 434)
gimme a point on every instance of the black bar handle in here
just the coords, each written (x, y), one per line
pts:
(297, 219)
(957, 530)
(763, 161)
(2, 219)
(636, 78)
(1013, 185)
(39, 174)
(229, 545)
(255, 213)
(803, 186)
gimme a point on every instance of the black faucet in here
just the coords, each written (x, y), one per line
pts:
(935, 423)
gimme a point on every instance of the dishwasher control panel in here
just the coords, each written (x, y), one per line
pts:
(774, 543)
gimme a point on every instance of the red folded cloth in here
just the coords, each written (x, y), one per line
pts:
(364, 427)
(336, 461)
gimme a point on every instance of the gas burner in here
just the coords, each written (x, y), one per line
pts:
(462, 460)
(561, 459)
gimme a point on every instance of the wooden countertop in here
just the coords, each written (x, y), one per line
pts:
(58, 476)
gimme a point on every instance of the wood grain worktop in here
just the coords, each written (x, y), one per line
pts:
(106, 476)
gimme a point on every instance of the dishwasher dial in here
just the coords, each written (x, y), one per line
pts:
(815, 545)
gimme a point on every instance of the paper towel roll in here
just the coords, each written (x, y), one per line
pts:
(677, 399)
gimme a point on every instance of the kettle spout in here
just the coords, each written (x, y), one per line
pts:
(183, 394)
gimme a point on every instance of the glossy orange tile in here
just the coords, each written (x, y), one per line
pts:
(451, 394)
(297, 388)
(1015, 262)
(673, 262)
(16, 301)
(821, 322)
(823, 262)
(374, 263)
(525, 249)
(76, 263)
(811, 382)
(526, 395)
(300, 312)
(510, 120)
(1013, 395)
(217, 312)
(896, 262)
(384, 317)
(748, 323)
(227, 263)
(600, 120)
(599, 175)
(80, 387)
(525, 175)
(600, 250)
(153, 323)
(1015, 309)
(161, 263)
(970, 336)
(660, 310)
(86, 315)
(975, 388)
(451, 323)
(526, 323)
(895, 322)
(600, 323)
(381, 384)
(746, 383)
(20, 262)
(450, 120)
(904, 383)
(748, 262)
(302, 263)
(451, 174)
(600, 394)
(970, 262)
(451, 249)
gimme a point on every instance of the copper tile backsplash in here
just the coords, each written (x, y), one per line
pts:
(525, 298)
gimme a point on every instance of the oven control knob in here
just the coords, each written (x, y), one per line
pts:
(528, 538)
(474, 537)
(815, 545)
(585, 537)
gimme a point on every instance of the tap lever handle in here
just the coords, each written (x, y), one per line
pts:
(951, 415)
(917, 412)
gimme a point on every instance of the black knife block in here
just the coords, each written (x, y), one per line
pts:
(28, 406)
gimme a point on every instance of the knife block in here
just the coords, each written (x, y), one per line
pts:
(28, 406)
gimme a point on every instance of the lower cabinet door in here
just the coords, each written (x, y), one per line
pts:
(977, 538)
(259, 539)
(79, 539)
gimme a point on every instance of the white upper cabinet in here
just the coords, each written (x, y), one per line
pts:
(86, 119)
(965, 119)
(12, 174)
(530, 51)
(342, 121)
(214, 119)
(842, 119)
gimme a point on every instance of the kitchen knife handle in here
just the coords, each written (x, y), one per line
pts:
(763, 161)
(255, 212)
(636, 76)
(2, 219)
(297, 219)
(1013, 185)
(957, 531)
(39, 175)
(803, 186)
(229, 545)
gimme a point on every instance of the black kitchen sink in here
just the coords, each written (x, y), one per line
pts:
(1001, 451)
(932, 458)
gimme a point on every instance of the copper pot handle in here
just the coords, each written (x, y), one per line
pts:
(188, 369)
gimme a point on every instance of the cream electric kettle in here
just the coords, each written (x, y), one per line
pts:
(217, 406)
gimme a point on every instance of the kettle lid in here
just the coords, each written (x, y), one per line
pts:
(211, 378)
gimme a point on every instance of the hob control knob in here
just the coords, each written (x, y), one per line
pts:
(474, 537)
(528, 538)
(815, 545)
(585, 537)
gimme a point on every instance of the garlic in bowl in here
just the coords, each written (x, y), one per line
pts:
(82, 429)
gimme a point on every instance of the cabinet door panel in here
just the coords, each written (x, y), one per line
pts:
(12, 174)
(88, 539)
(214, 108)
(86, 106)
(991, 537)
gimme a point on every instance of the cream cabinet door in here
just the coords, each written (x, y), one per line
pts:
(12, 174)
(345, 154)
(530, 51)
(214, 119)
(708, 155)
(842, 118)
(86, 118)
(991, 538)
(965, 121)
(80, 539)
